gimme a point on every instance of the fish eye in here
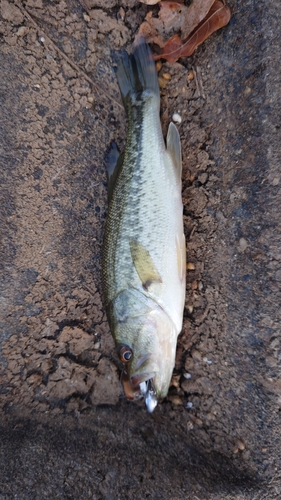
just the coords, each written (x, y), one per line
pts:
(125, 354)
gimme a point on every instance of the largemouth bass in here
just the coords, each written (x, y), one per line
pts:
(144, 246)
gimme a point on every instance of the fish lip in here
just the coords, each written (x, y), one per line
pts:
(137, 380)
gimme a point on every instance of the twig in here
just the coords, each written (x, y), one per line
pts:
(97, 87)
(198, 81)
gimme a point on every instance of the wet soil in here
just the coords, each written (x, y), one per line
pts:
(66, 430)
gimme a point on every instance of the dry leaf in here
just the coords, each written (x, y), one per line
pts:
(159, 29)
(217, 17)
(177, 17)
(197, 11)
(196, 23)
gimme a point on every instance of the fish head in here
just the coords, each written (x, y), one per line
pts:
(146, 345)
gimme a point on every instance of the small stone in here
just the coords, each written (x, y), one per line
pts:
(206, 360)
(187, 375)
(196, 356)
(167, 76)
(211, 416)
(243, 244)
(198, 421)
(175, 382)
(189, 405)
(190, 266)
(194, 285)
(158, 66)
(176, 400)
(162, 82)
(240, 444)
(91, 99)
(22, 31)
(190, 75)
(86, 17)
(190, 308)
(177, 118)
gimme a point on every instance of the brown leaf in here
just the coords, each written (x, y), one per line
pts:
(159, 29)
(197, 11)
(172, 50)
(217, 17)
(176, 16)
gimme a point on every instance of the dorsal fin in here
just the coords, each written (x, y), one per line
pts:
(174, 148)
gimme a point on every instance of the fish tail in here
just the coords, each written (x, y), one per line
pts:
(136, 74)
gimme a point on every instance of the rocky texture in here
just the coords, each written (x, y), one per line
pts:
(66, 430)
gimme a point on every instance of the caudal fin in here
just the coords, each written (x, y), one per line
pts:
(136, 73)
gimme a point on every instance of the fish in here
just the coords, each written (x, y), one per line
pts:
(144, 250)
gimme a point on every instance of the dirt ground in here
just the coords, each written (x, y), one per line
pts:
(66, 430)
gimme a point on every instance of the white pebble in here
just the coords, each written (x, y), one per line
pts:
(177, 118)
(42, 39)
(22, 31)
(189, 404)
(187, 375)
(208, 361)
(243, 244)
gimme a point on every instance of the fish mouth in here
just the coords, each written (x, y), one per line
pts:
(138, 387)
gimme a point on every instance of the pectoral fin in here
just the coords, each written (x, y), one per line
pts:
(144, 264)
(113, 163)
(174, 148)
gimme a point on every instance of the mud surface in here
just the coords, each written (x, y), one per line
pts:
(66, 430)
